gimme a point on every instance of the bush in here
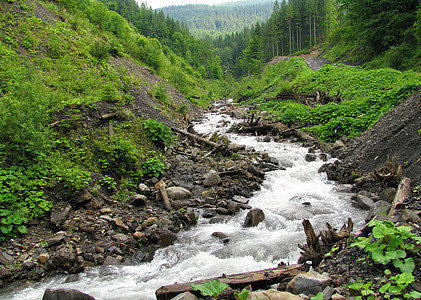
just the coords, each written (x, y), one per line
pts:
(160, 134)
(153, 166)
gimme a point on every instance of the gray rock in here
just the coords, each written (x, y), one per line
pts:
(4, 272)
(239, 113)
(110, 261)
(185, 296)
(220, 235)
(328, 292)
(236, 148)
(163, 236)
(138, 200)
(233, 207)
(28, 264)
(208, 213)
(64, 257)
(5, 258)
(212, 178)
(84, 196)
(65, 294)
(178, 193)
(240, 199)
(364, 202)
(56, 238)
(273, 295)
(379, 208)
(256, 171)
(388, 194)
(119, 237)
(311, 157)
(60, 212)
(310, 283)
(254, 217)
(222, 211)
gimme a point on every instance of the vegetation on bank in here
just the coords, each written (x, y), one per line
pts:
(56, 67)
(367, 95)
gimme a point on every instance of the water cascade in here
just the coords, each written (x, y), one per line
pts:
(286, 197)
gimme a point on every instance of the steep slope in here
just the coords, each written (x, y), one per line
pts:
(78, 85)
(396, 134)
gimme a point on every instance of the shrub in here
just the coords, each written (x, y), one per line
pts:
(160, 134)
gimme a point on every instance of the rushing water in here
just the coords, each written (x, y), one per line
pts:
(197, 255)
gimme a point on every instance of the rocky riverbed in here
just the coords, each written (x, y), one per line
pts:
(97, 230)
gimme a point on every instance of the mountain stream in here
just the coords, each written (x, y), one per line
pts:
(197, 255)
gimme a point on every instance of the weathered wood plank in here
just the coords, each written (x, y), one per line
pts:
(257, 279)
(403, 192)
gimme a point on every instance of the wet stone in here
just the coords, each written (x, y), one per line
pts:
(6, 259)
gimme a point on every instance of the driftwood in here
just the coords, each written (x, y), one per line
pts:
(164, 194)
(403, 192)
(197, 138)
(389, 175)
(108, 116)
(318, 245)
(257, 279)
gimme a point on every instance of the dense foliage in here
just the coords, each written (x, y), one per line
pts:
(368, 94)
(175, 37)
(57, 62)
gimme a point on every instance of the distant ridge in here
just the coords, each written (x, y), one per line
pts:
(220, 19)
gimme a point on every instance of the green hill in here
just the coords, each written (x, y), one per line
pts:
(216, 20)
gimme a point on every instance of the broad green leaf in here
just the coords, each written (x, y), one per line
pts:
(210, 288)
(405, 278)
(22, 229)
(380, 230)
(384, 288)
(395, 290)
(406, 266)
(362, 242)
(413, 294)
(378, 256)
(243, 294)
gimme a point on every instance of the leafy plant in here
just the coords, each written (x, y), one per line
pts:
(390, 245)
(153, 166)
(210, 288)
(160, 134)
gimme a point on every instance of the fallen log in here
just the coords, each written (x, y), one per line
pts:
(257, 279)
(164, 195)
(196, 137)
(403, 192)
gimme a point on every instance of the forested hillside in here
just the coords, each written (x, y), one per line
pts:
(379, 34)
(217, 20)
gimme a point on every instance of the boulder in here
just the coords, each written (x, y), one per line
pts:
(137, 200)
(185, 296)
(163, 236)
(178, 193)
(310, 283)
(388, 194)
(239, 113)
(311, 157)
(273, 295)
(56, 238)
(6, 259)
(119, 237)
(254, 217)
(60, 212)
(43, 258)
(212, 178)
(64, 257)
(65, 294)
(364, 202)
(378, 209)
(110, 260)
(84, 196)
